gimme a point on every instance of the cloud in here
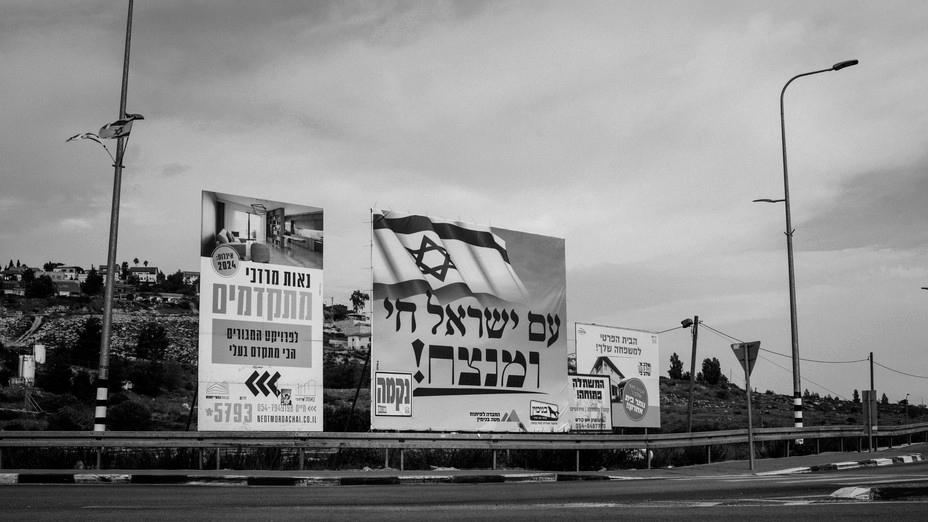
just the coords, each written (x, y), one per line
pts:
(877, 209)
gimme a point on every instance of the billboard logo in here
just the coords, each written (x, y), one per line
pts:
(218, 390)
(543, 411)
(393, 396)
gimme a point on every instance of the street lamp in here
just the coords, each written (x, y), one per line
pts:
(686, 323)
(794, 326)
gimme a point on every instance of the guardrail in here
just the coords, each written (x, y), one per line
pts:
(316, 441)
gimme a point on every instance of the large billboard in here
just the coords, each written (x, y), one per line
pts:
(630, 359)
(469, 327)
(260, 341)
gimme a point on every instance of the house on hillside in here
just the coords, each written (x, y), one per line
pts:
(16, 274)
(65, 273)
(145, 274)
(359, 340)
(14, 287)
(67, 288)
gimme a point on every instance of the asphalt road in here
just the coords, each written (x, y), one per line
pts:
(722, 497)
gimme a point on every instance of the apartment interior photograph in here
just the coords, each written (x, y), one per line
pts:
(262, 231)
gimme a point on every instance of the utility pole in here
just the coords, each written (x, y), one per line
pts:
(689, 413)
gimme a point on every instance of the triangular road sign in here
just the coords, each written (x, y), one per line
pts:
(751, 348)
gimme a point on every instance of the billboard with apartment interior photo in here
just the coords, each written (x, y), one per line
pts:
(260, 341)
(630, 359)
(469, 327)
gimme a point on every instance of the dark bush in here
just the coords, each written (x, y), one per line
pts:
(129, 416)
(70, 418)
(117, 398)
(52, 403)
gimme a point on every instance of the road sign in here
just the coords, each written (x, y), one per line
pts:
(747, 354)
(751, 348)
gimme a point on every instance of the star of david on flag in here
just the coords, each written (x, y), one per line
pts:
(414, 254)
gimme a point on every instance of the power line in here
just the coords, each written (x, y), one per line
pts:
(787, 370)
(899, 372)
(720, 333)
(784, 355)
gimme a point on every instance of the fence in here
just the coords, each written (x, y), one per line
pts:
(492, 442)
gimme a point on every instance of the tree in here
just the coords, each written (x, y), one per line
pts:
(711, 371)
(358, 298)
(125, 270)
(87, 348)
(676, 367)
(94, 283)
(152, 343)
(145, 263)
(884, 400)
(48, 267)
(856, 397)
(136, 261)
(173, 282)
(41, 286)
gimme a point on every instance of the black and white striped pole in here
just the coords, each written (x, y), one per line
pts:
(99, 423)
(794, 325)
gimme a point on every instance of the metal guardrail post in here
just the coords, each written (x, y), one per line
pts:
(217, 458)
(708, 454)
(578, 460)
(302, 454)
(402, 459)
(494, 460)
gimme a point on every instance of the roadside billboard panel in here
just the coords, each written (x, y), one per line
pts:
(590, 403)
(630, 358)
(467, 327)
(260, 341)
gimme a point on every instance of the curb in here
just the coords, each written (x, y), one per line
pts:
(869, 463)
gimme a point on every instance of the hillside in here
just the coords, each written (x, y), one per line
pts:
(165, 389)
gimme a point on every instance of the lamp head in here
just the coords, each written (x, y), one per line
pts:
(841, 65)
(686, 323)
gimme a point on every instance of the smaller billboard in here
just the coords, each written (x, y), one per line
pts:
(630, 359)
(590, 406)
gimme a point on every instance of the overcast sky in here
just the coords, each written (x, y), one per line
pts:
(637, 131)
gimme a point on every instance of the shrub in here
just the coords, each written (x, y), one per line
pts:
(52, 403)
(129, 416)
(70, 418)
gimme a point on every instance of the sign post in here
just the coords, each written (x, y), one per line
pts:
(747, 355)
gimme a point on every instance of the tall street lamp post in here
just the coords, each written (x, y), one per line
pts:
(794, 326)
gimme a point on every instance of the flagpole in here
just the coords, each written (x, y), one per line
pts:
(103, 372)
